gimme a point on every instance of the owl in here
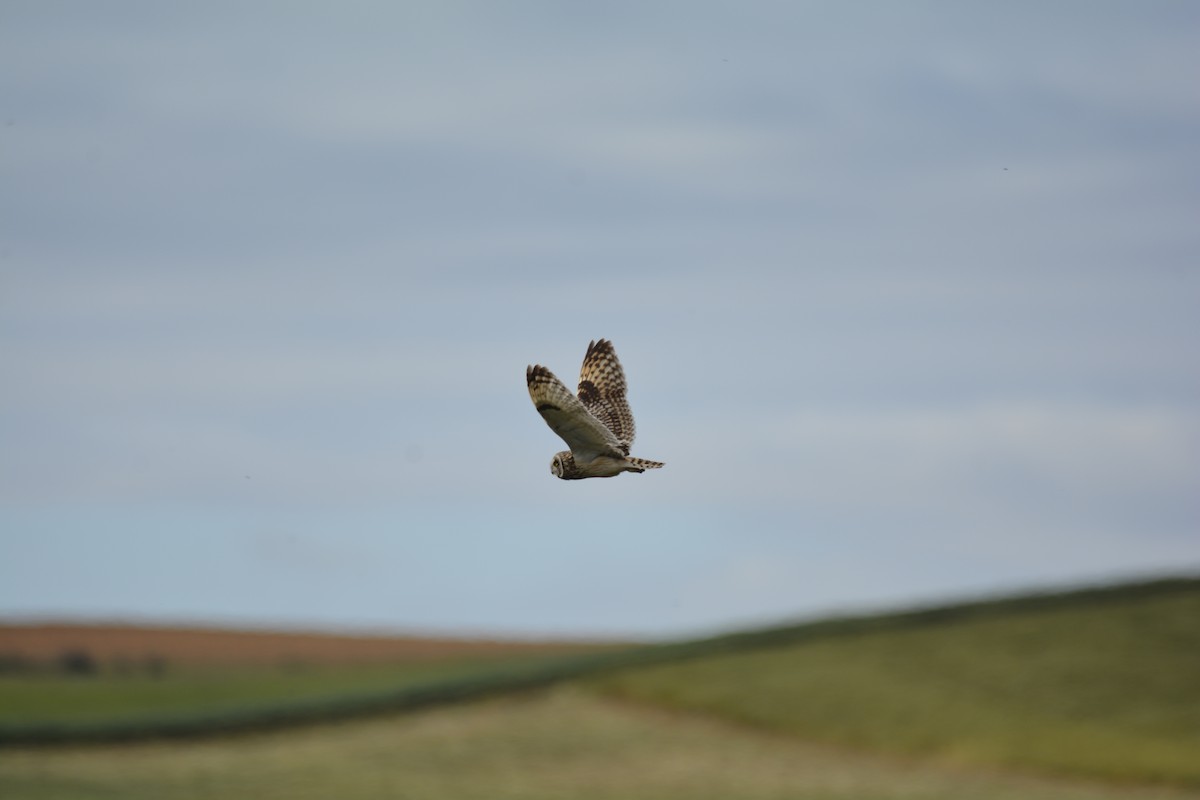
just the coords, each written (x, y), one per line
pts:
(597, 425)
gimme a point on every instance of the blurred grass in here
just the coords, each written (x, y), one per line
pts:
(58, 709)
(1102, 683)
(1108, 688)
(48, 697)
(567, 743)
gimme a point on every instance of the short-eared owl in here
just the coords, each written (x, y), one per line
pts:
(597, 425)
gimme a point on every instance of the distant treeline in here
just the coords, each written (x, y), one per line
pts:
(79, 662)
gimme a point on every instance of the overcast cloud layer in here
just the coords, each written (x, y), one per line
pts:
(906, 293)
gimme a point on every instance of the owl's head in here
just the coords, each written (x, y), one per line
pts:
(563, 466)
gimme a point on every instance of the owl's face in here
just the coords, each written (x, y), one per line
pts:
(563, 466)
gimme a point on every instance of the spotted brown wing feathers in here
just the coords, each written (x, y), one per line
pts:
(602, 391)
(587, 436)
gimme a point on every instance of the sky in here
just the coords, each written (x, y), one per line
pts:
(905, 293)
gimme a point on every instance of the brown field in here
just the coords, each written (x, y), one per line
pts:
(199, 646)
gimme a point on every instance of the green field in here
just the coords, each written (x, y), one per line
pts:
(1078, 695)
(204, 702)
(52, 698)
(1106, 689)
(564, 744)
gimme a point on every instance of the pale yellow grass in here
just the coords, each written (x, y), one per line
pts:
(564, 744)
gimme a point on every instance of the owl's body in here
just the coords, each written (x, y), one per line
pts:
(597, 425)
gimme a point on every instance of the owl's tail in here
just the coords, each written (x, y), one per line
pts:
(642, 464)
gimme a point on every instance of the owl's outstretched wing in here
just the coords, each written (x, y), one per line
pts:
(569, 418)
(602, 391)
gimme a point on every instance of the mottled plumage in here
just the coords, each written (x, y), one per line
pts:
(602, 390)
(597, 425)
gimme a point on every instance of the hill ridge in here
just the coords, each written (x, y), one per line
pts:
(508, 678)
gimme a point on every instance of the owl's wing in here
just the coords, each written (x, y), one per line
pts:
(566, 415)
(602, 391)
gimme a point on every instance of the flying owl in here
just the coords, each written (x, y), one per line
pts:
(597, 425)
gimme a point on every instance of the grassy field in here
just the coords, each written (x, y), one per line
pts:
(566, 743)
(34, 698)
(1084, 694)
(1107, 689)
(140, 682)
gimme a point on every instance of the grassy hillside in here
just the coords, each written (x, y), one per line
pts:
(65, 710)
(111, 697)
(64, 682)
(565, 744)
(1104, 684)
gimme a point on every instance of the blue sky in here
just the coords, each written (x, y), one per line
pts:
(906, 295)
